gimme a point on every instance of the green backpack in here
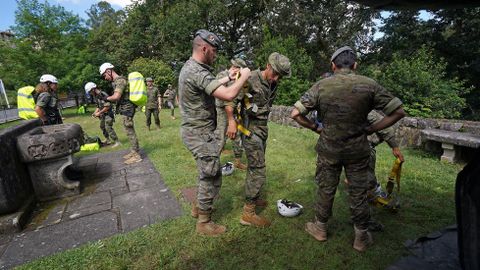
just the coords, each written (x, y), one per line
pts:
(137, 89)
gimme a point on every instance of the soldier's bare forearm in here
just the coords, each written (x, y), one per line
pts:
(304, 121)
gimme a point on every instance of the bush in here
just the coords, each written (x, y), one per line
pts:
(160, 72)
(421, 83)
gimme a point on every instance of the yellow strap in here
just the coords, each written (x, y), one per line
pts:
(243, 130)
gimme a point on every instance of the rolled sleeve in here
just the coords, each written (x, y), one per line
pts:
(299, 106)
(212, 86)
(391, 106)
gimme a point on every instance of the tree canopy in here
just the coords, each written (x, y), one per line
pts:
(154, 37)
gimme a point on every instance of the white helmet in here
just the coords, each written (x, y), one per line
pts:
(227, 169)
(89, 86)
(48, 78)
(104, 67)
(288, 209)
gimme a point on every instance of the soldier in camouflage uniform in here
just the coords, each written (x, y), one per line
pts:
(104, 112)
(170, 95)
(387, 135)
(226, 123)
(46, 105)
(125, 107)
(256, 102)
(153, 101)
(343, 102)
(198, 89)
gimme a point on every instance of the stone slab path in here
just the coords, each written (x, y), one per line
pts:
(115, 198)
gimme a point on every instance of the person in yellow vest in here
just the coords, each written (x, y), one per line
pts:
(26, 103)
(47, 102)
(125, 107)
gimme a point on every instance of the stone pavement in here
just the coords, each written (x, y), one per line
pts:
(115, 198)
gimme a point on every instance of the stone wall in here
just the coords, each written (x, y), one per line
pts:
(15, 184)
(408, 129)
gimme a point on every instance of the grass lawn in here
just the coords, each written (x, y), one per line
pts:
(427, 197)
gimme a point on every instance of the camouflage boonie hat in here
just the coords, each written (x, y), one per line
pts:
(148, 79)
(237, 62)
(209, 37)
(280, 64)
(341, 50)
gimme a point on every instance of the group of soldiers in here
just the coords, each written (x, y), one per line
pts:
(343, 102)
(126, 108)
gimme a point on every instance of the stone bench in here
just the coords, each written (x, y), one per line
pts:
(453, 142)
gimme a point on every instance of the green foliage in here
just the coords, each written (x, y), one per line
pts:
(420, 82)
(289, 89)
(161, 73)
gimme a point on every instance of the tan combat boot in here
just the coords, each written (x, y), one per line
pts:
(194, 211)
(317, 229)
(239, 165)
(206, 227)
(129, 155)
(133, 159)
(250, 218)
(363, 239)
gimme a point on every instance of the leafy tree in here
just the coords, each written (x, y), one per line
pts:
(289, 89)
(160, 72)
(421, 83)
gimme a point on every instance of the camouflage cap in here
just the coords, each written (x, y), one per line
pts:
(341, 50)
(237, 62)
(280, 64)
(209, 37)
(148, 79)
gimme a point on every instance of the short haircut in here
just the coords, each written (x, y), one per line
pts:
(345, 59)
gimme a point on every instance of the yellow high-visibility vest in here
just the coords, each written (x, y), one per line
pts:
(26, 103)
(137, 89)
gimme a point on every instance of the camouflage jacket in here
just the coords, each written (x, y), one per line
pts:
(343, 102)
(262, 96)
(124, 106)
(101, 103)
(152, 98)
(47, 100)
(196, 84)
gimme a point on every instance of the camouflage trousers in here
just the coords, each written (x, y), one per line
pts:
(204, 147)
(106, 125)
(148, 114)
(255, 147)
(130, 130)
(221, 130)
(171, 105)
(327, 178)
(372, 179)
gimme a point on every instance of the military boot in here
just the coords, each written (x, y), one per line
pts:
(250, 218)
(129, 155)
(194, 210)
(363, 239)
(239, 165)
(133, 159)
(317, 229)
(206, 226)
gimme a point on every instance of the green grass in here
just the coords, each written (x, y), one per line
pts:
(427, 204)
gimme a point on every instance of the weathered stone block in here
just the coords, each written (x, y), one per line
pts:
(15, 184)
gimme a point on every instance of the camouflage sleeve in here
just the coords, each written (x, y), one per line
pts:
(387, 134)
(385, 101)
(120, 85)
(205, 80)
(309, 101)
(106, 103)
(43, 99)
